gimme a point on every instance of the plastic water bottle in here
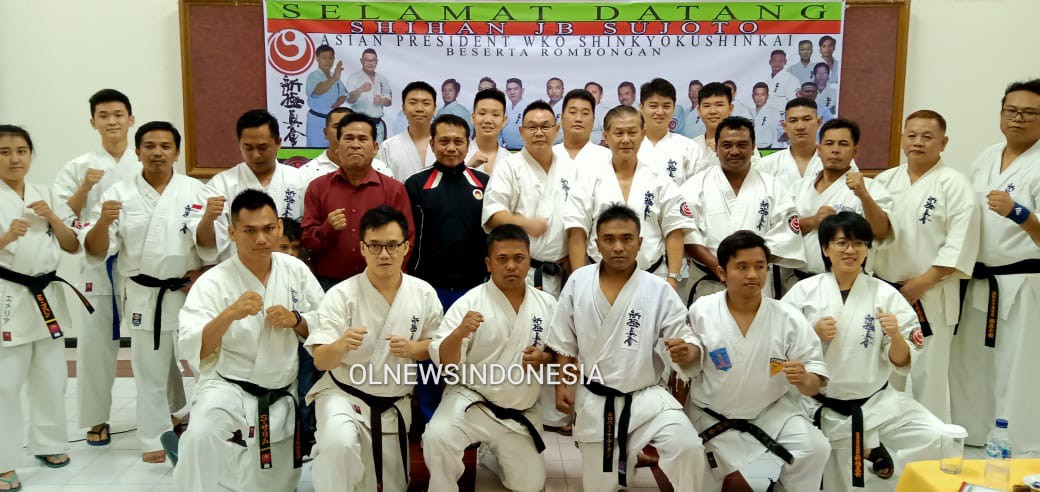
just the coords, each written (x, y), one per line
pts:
(998, 456)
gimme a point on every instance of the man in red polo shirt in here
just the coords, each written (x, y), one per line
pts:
(334, 203)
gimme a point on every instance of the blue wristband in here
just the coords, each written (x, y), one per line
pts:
(1019, 213)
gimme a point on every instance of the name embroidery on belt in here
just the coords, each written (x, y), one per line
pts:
(868, 331)
(566, 187)
(763, 214)
(414, 328)
(632, 335)
(672, 167)
(648, 203)
(536, 328)
(928, 207)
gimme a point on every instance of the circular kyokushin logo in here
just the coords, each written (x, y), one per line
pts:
(290, 52)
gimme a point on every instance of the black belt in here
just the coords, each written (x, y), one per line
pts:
(377, 406)
(777, 285)
(708, 275)
(926, 327)
(990, 274)
(849, 408)
(546, 268)
(36, 285)
(503, 413)
(264, 398)
(164, 284)
(724, 424)
(802, 275)
(315, 113)
(608, 428)
(657, 264)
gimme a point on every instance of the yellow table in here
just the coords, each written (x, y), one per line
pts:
(925, 476)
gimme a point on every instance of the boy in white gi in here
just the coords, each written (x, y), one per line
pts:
(801, 123)
(670, 154)
(577, 123)
(997, 339)
(715, 103)
(239, 329)
(374, 324)
(933, 244)
(867, 330)
(836, 188)
(503, 322)
(259, 141)
(622, 320)
(33, 231)
(664, 215)
(144, 219)
(753, 350)
(734, 196)
(409, 151)
(80, 185)
(488, 118)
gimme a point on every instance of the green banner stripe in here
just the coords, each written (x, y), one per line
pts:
(554, 12)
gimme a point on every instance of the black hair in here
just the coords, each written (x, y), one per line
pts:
(715, 89)
(739, 241)
(16, 131)
(552, 79)
(153, 126)
(507, 232)
(657, 87)
(597, 84)
(618, 211)
(335, 111)
(626, 84)
(381, 216)
(356, 118)
(291, 229)
(490, 93)
(735, 123)
(810, 83)
(579, 95)
(324, 49)
(488, 79)
(759, 85)
(538, 105)
(853, 225)
(824, 64)
(778, 52)
(1028, 85)
(450, 120)
(452, 82)
(619, 111)
(800, 102)
(251, 199)
(514, 80)
(929, 115)
(109, 95)
(368, 51)
(827, 38)
(419, 85)
(804, 41)
(256, 118)
(839, 123)
(695, 82)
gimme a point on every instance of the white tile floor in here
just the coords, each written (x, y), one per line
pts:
(118, 466)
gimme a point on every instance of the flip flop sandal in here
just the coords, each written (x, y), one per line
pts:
(883, 465)
(105, 431)
(10, 482)
(50, 464)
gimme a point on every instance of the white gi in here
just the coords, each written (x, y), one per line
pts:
(763, 206)
(694, 126)
(29, 355)
(828, 96)
(741, 378)
(654, 198)
(740, 108)
(624, 340)
(322, 165)
(838, 196)
(365, 102)
(499, 341)
(674, 156)
(400, 154)
(767, 126)
(251, 351)
(521, 186)
(591, 158)
(287, 187)
(803, 72)
(934, 222)
(500, 156)
(783, 87)
(782, 165)
(344, 455)
(709, 158)
(97, 339)
(152, 238)
(859, 366)
(993, 382)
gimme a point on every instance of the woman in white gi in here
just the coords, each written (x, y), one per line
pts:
(32, 350)
(868, 331)
(502, 322)
(752, 351)
(373, 327)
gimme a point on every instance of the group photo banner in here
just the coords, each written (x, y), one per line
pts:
(536, 51)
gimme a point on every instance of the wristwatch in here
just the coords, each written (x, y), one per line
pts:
(675, 276)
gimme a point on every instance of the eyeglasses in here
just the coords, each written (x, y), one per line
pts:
(843, 244)
(376, 248)
(1011, 114)
(539, 129)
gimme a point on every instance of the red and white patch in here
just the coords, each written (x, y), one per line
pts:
(672, 125)
(7, 336)
(917, 337)
(793, 223)
(196, 206)
(433, 181)
(684, 208)
(478, 194)
(472, 178)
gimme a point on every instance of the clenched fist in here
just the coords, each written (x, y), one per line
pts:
(682, 353)
(337, 219)
(826, 328)
(109, 212)
(469, 324)
(889, 324)
(280, 317)
(92, 178)
(248, 304)
(353, 337)
(18, 229)
(214, 207)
